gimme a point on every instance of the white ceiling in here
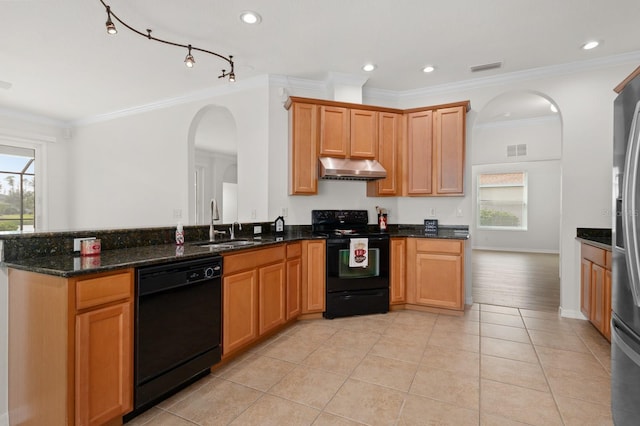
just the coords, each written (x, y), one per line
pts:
(59, 62)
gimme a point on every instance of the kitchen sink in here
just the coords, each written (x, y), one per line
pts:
(229, 244)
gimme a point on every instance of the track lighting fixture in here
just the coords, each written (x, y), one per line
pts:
(189, 61)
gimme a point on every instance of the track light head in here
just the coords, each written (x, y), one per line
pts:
(189, 61)
(111, 29)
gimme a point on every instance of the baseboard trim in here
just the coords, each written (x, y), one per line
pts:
(570, 313)
(519, 250)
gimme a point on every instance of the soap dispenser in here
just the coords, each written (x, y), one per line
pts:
(179, 234)
(279, 225)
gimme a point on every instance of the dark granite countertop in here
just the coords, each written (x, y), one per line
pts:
(599, 237)
(49, 254)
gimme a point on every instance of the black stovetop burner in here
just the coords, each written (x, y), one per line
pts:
(340, 223)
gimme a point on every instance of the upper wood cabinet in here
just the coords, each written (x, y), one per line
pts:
(435, 152)
(422, 149)
(389, 146)
(303, 149)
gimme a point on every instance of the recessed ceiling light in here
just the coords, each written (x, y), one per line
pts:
(428, 68)
(590, 45)
(368, 67)
(250, 17)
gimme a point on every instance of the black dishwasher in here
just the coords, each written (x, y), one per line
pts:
(177, 327)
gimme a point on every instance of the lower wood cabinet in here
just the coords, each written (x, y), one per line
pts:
(271, 297)
(239, 310)
(398, 268)
(595, 287)
(70, 348)
(435, 273)
(313, 276)
(294, 280)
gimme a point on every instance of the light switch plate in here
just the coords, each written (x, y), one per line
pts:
(257, 229)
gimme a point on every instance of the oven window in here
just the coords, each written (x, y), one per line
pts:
(372, 270)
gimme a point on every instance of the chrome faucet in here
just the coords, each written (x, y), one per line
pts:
(231, 229)
(214, 216)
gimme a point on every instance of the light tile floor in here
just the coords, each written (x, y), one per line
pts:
(493, 366)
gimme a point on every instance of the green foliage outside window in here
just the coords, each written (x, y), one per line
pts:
(498, 218)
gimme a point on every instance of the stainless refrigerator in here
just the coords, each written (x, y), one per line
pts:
(625, 321)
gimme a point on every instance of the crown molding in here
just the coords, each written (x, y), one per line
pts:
(238, 86)
(34, 118)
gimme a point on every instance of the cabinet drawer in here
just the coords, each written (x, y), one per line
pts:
(103, 289)
(438, 246)
(593, 254)
(294, 250)
(252, 259)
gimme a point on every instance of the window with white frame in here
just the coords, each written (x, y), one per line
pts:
(502, 201)
(17, 188)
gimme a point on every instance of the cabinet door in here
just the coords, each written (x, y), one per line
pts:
(419, 153)
(449, 150)
(313, 276)
(363, 134)
(272, 288)
(597, 296)
(389, 137)
(104, 364)
(398, 268)
(294, 278)
(585, 288)
(304, 146)
(439, 280)
(606, 326)
(240, 310)
(334, 131)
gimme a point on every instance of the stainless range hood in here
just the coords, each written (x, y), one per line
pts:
(350, 169)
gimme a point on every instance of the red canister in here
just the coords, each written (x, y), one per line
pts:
(90, 247)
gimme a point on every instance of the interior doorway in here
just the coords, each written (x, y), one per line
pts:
(516, 226)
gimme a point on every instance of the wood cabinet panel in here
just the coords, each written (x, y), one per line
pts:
(294, 280)
(389, 147)
(606, 326)
(303, 146)
(240, 310)
(398, 271)
(294, 250)
(252, 259)
(313, 276)
(104, 364)
(433, 245)
(272, 287)
(595, 287)
(597, 296)
(585, 287)
(363, 133)
(439, 282)
(104, 289)
(593, 254)
(450, 148)
(334, 131)
(419, 153)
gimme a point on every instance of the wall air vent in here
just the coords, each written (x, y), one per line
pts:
(519, 150)
(486, 67)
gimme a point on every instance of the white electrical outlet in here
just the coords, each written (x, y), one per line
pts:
(177, 213)
(432, 211)
(459, 212)
(254, 213)
(285, 212)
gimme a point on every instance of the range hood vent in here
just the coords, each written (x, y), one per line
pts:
(350, 169)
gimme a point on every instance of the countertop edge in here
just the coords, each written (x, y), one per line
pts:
(595, 243)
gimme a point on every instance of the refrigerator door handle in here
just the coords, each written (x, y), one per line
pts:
(629, 207)
(617, 338)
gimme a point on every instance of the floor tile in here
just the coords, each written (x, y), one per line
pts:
(260, 373)
(386, 372)
(504, 332)
(416, 319)
(326, 419)
(367, 403)
(582, 413)
(273, 411)
(558, 340)
(308, 386)
(500, 309)
(145, 417)
(290, 348)
(315, 332)
(456, 325)
(493, 420)
(530, 313)
(216, 403)
(402, 350)
(419, 411)
(367, 323)
(579, 386)
(408, 334)
(166, 419)
(583, 363)
(451, 359)
(501, 319)
(464, 341)
(508, 349)
(335, 360)
(513, 372)
(446, 386)
(472, 315)
(353, 340)
(518, 403)
(557, 324)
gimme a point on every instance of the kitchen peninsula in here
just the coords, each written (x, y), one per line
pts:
(77, 343)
